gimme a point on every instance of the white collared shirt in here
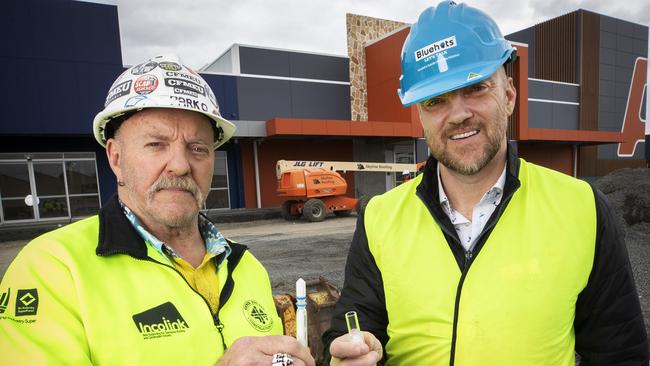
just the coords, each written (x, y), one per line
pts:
(468, 231)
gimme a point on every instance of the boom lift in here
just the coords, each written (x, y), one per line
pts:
(315, 188)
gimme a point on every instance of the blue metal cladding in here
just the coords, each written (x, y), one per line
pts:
(235, 175)
(225, 89)
(58, 58)
(262, 61)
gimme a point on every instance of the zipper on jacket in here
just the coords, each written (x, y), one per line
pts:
(469, 256)
(219, 325)
(465, 262)
(217, 322)
(468, 259)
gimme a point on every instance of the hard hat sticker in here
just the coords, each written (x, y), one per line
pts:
(134, 101)
(169, 66)
(144, 68)
(473, 75)
(435, 47)
(118, 91)
(161, 82)
(145, 84)
(182, 86)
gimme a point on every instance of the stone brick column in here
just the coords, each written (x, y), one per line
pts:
(361, 31)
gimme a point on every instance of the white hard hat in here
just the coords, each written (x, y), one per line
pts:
(161, 82)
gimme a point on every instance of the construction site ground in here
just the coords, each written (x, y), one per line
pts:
(293, 249)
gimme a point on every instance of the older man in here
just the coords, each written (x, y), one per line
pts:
(148, 281)
(484, 259)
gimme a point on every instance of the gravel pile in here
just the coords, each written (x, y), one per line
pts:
(628, 191)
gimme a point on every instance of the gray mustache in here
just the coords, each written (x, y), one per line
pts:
(184, 183)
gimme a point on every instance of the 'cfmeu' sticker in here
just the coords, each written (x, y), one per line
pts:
(118, 91)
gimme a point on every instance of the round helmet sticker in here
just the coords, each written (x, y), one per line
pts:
(145, 84)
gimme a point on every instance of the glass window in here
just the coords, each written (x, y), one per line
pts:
(404, 157)
(45, 156)
(218, 198)
(14, 180)
(220, 175)
(57, 183)
(49, 179)
(52, 207)
(79, 155)
(82, 177)
(16, 209)
(84, 205)
(14, 156)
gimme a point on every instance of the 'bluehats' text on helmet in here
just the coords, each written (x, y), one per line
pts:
(451, 46)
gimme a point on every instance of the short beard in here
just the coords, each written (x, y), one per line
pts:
(495, 140)
(465, 169)
(184, 183)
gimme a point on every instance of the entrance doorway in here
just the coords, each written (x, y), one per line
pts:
(47, 186)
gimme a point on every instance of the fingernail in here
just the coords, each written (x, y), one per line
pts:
(376, 355)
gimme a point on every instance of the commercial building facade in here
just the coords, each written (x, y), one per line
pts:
(581, 110)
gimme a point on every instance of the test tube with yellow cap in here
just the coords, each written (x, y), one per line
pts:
(354, 330)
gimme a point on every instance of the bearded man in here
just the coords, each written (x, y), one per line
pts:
(484, 259)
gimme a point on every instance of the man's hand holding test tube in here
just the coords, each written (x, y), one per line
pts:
(357, 347)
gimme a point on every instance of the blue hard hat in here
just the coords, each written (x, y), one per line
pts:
(451, 46)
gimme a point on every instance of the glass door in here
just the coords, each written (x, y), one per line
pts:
(16, 197)
(404, 154)
(50, 190)
(32, 191)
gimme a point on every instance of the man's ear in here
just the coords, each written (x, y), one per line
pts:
(114, 155)
(511, 95)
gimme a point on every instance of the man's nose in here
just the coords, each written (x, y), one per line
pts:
(178, 163)
(458, 108)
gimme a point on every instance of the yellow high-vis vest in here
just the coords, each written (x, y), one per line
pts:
(514, 305)
(69, 306)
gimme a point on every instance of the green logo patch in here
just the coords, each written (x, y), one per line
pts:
(257, 316)
(27, 302)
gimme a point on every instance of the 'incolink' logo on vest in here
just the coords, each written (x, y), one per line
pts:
(435, 47)
(162, 321)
